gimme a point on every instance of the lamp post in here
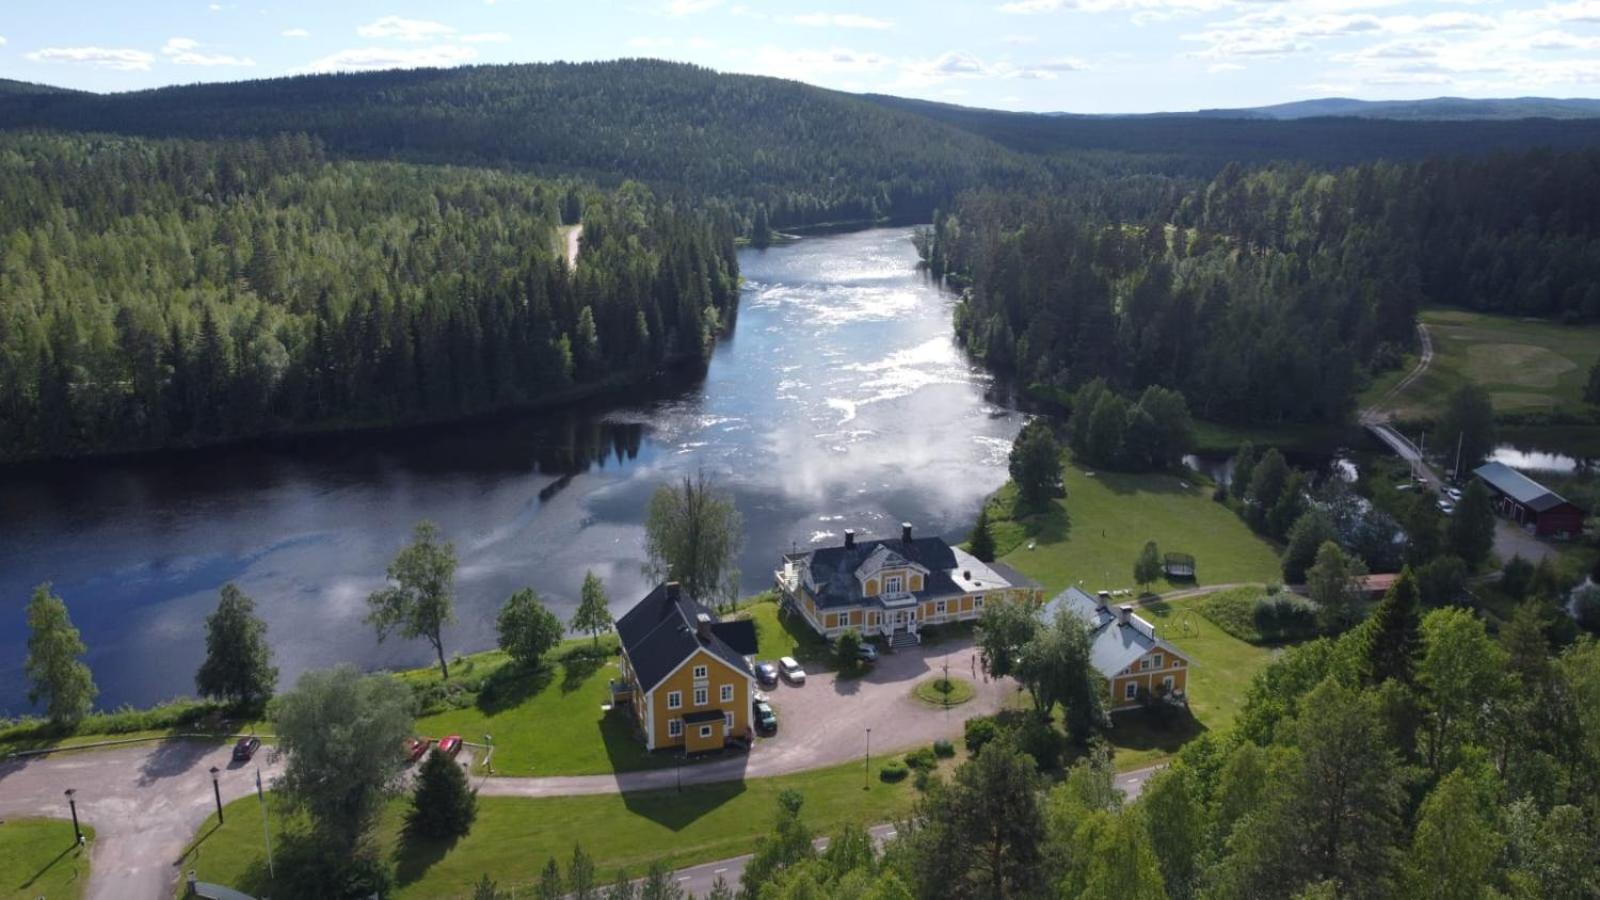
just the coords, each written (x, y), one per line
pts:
(72, 802)
(866, 767)
(216, 790)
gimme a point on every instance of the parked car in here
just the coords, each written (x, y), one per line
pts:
(767, 674)
(1454, 493)
(791, 670)
(1446, 507)
(246, 748)
(451, 745)
(415, 748)
(759, 697)
(766, 719)
(868, 653)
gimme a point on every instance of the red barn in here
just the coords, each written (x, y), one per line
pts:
(1529, 503)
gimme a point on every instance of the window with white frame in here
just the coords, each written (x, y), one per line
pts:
(702, 696)
(674, 728)
(938, 608)
(893, 584)
(1167, 683)
(1156, 661)
(727, 693)
(705, 731)
(727, 721)
(977, 602)
(1131, 691)
(674, 699)
(699, 673)
(1144, 664)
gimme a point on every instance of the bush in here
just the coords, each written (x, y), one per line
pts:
(944, 749)
(1586, 607)
(922, 759)
(923, 779)
(1285, 617)
(979, 731)
(1039, 739)
(894, 770)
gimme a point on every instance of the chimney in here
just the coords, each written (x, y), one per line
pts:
(1124, 614)
(702, 626)
(672, 591)
(905, 532)
(849, 538)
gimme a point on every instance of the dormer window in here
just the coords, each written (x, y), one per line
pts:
(893, 584)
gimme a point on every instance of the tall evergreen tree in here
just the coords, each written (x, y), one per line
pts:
(981, 541)
(1393, 638)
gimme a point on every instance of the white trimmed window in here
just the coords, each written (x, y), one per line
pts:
(938, 608)
(727, 693)
(893, 585)
(727, 722)
(1177, 663)
(1144, 664)
(705, 731)
(699, 673)
(674, 728)
(702, 696)
(1156, 661)
(1167, 683)
(1131, 690)
(977, 602)
(674, 699)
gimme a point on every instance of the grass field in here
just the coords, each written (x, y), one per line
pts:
(1096, 532)
(1526, 364)
(1215, 437)
(41, 858)
(513, 838)
(1221, 668)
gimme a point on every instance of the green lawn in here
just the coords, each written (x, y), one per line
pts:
(784, 636)
(514, 837)
(1215, 437)
(166, 720)
(41, 858)
(548, 722)
(1222, 667)
(1526, 364)
(1097, 531)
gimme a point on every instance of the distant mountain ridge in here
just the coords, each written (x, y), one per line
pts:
(1432, 109)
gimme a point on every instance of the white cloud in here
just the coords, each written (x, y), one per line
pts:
(1577, 11)
(295, 33)
(1048, 70)
(810, 65)
(102, 57)
(368, 58)
(486, 37)
(2, 40)
(1219, 68)
(1029, 7)
(690, 7)
(839, 20)
(404, 29)
(187, 52)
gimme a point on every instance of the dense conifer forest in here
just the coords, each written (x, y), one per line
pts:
(177, 293)
(1269, 294)
(809, 155)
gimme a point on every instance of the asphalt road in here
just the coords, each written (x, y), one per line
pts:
(145, 801)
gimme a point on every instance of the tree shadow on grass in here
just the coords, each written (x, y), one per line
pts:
(415, 854)
(677, 809)
(1162, 482)
(1050, 525)
(510, 685)
(578, 664)
(1165, 729)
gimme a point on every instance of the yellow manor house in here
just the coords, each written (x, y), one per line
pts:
(894, 587)
(686, 675)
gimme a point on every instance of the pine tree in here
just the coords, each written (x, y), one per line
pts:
(1470, 531)
(981, 542)
(443, 804)
(1394, 637)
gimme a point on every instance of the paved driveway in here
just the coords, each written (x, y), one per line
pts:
(145, 802)
(821, 723)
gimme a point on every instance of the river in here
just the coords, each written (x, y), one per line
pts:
(839, 400)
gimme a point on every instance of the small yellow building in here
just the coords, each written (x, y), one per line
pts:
(1124, 648)
(685, 674)
(893, 587)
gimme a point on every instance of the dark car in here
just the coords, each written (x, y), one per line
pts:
(767, 674)
(766, 719)
(416, 748)
(867, 653)
(246, 748)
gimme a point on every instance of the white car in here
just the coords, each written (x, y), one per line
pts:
(789, 667)
(1454, 493)
(1446, 507)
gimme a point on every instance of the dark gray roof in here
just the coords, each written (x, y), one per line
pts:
(1016, 578)
(1519, 487)
(833, 569)
(659, 633)
(740, 634)
(1112, 647)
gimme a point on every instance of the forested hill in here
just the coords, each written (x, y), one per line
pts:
(809, 154)
(1201, 145)
(160, 293)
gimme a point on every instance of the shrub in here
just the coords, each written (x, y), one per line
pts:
(923, 779)
(979, 731)
(1285, 617)
(922, 759)
(944, 749)
(1039, 739)
(894, 770)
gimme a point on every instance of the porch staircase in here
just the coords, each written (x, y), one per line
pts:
(903, 639)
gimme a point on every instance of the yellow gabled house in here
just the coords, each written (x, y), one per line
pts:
(686, 675)
(1137, 665)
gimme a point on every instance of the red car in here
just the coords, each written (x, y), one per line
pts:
(451, 745)
(415, 748)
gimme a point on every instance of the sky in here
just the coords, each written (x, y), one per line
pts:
(1091, 56)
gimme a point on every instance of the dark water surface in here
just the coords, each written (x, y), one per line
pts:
(840, 400)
